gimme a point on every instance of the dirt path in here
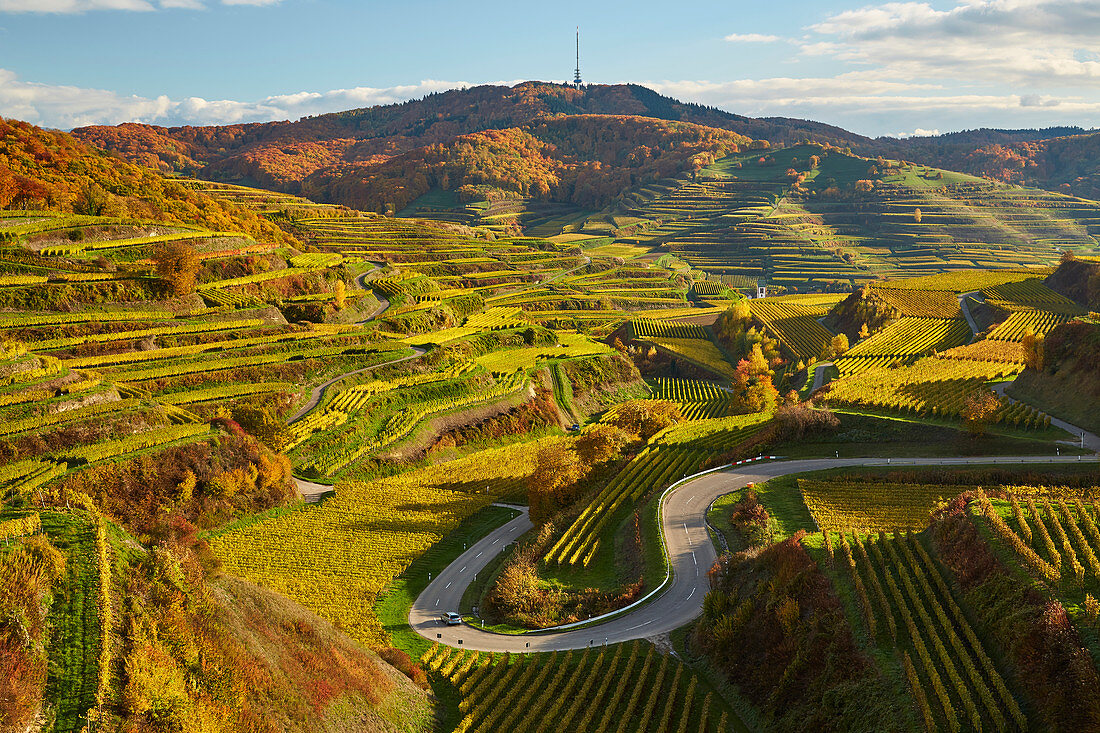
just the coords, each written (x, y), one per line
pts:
(319, 391)
(819, 374)
(312, 491)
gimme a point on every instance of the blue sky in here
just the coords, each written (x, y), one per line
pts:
(881, 69)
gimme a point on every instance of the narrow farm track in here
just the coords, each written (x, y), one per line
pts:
(1090, 441)
(319, 391)
(383, 301)
(689, 548)
(309, 490)
(819, 374)
(966, 309)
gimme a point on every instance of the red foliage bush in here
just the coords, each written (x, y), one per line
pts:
(405, 665)
(206, 483)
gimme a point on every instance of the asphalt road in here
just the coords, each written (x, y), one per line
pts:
(689, 548)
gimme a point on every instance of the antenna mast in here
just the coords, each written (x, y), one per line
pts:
(577, 72)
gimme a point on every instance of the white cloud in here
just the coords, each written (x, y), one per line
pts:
(751, 38)
(1033, 43)
(84, 6)
(66, 107)
(766, 96)
(919, 132)
(71, 6)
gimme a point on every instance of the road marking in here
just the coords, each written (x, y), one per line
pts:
(691, 499)
(447, 586)
(437, 602)
(479, 555)
(513, 529)
(693, 558)
(691, 594)
(463, 569)
(640, 625)
(496, 540)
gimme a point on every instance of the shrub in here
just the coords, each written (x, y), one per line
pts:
(405, 665)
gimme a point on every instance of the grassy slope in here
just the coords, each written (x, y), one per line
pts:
(268, 625)
(1070, 395)
(74, 643)
(868, 436)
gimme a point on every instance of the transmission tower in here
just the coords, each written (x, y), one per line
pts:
(577, 72)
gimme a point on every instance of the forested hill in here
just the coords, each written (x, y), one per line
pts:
(281, 154)
(326, 148)
(46, 169)
(586, 160)
(1061, 159)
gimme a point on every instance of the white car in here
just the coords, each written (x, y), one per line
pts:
(450, 618)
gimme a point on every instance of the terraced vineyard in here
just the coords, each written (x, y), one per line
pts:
(698, 351)
(1024, 322)
(670, 456)
(430, 268)
(853, 506)
(931, 387)
(1051, 530)
(1030, 294)
(743, 219)
(652, 468)
(920, 303)
(328, 405)
(794, 321)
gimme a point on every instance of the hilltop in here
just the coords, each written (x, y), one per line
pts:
(280, 155)
(1066, 162)
(313, 155)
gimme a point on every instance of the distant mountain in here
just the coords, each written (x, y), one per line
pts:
(586, 160)
(1065, 159)
(281, 155)
(983, 136)
(349, 157)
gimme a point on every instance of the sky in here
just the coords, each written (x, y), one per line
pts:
(898, 69)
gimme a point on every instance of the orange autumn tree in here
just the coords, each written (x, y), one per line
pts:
(978, 411)
(177, 264)
(752, 385)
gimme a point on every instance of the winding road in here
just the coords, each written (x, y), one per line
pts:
(319, 391)
(690, 552)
